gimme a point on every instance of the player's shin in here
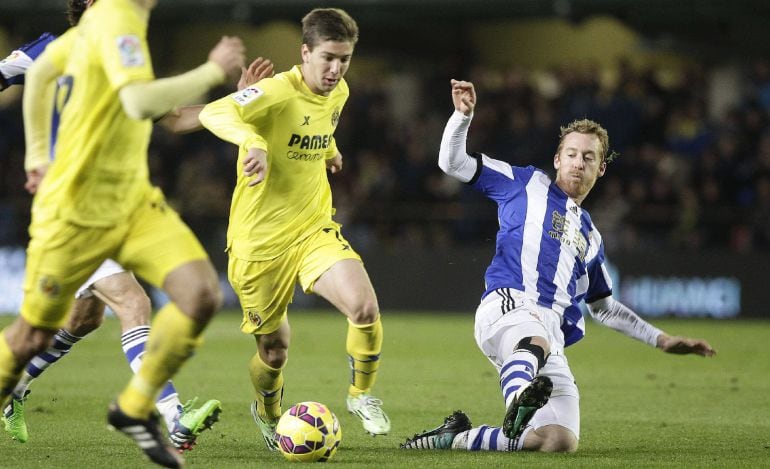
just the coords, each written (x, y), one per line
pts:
(10, 369)
(173, 339)
(268, 385)
(364, 344)
(134, 342)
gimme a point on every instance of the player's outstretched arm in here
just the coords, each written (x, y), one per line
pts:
(152, 99)
(37, 105)
(453, 157)
(685, 345)
(184, 119)
(615, 315)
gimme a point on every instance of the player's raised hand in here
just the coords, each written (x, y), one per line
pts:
(463, 96)
(684, 345)
(255, 164)
(260, 68)
(229, 54)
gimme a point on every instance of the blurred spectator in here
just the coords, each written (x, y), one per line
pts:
(681, 181)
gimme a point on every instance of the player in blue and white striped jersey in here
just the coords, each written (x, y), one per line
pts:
(549, 257)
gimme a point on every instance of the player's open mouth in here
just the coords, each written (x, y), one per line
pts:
(330, 81)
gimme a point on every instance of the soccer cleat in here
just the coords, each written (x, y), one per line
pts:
(146, 434)
(13, 417)
(369, 410)
(442, 436)
(191, 422)
(528, 399)
(266, 428)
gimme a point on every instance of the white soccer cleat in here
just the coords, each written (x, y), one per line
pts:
(267, 429)
(369, 410)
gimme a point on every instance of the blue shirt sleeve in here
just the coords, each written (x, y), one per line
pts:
(13, 67)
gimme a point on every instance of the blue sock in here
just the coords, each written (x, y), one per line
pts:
(133, 342)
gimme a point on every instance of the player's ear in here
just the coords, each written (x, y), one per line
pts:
(556, 161)
(305, 53)
(602, 168)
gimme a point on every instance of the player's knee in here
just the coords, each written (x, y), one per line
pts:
(206, 300)
(561, 442)
(27, 341)
(537, 346)
(366, 312)
(274, 353)
(552, 439)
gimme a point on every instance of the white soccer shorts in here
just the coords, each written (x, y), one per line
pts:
(505, 317)
(108, 268)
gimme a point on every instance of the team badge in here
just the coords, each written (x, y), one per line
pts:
(130, 50)
(335, 117)
(254, 318)
(50, 287)
(247, 95)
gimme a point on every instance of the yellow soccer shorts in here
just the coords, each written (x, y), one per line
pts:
(265, 288)
(61, 256)
(158, 241)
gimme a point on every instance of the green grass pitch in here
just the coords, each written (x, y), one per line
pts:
(640, 407)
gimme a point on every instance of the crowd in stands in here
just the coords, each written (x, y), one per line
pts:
(685, 178)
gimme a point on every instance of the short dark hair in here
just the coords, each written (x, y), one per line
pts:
(75, 9)
(328, 24)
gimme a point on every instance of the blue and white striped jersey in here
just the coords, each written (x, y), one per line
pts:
(547, 246)
(14, 67)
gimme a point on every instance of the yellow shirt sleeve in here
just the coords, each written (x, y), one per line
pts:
(125, 54)
(233, 117)
(40, 102)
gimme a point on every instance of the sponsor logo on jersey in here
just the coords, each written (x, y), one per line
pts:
(310, 142)
(568, 234)
(247, 95)
(130, 49)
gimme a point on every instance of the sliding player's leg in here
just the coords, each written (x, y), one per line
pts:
(160, 248)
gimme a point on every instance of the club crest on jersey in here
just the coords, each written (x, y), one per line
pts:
(130, 49)
(247, 95)
(49, 286)
(335, 117)
(254, 318)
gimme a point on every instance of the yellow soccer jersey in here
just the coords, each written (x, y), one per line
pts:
(99, 173)
(296, 128)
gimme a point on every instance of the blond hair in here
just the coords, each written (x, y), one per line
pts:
(587, 126)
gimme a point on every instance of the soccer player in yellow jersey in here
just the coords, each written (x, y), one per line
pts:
(281, 229)
(97, 202)
(110, 284)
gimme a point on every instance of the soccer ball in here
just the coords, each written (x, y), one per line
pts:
(308, 432)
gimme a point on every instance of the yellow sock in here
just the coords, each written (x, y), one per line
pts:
(173, 339)
(364, 344)
(268, 384)
(10, 369)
